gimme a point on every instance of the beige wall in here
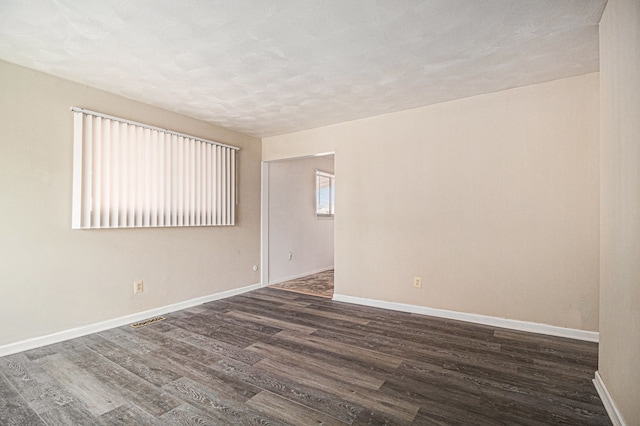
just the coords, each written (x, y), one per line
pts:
(302, 144)
(493, 200)
(619, 362)
(293, 226)
(53, 278)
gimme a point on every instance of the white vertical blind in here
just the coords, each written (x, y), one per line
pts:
(128, 174)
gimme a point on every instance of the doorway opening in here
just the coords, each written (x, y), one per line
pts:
(297, 242)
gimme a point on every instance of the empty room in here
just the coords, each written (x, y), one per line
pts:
(320, 212)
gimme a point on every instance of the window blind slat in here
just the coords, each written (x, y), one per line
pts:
(174, 180)
(96, 199)
(217, 187)
(192, 182)
(124, 177)
(133, 176)
(161, 180)
(115, 186)
(223, 186)
(153, 178)
(139, 162)
(232, 179)
(106, 173)
(207, 189)
(87, 163)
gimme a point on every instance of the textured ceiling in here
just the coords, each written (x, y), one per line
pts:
(268, 67)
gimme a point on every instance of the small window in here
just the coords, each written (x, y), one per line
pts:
(325, 194)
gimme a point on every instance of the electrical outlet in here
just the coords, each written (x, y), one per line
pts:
(417, 282)
(138, 287)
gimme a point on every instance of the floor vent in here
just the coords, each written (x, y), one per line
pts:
(146, 322)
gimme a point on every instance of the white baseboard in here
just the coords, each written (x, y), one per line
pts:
(61, 336)
(607, 401)
(304, 274)
(589, 336)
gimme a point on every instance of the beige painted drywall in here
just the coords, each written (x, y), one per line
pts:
(53, 278)
(492, 200)
(293, 226)
(619, 360)
(301, 144)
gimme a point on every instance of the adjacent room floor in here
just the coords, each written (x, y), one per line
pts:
(320, 284)
(278, 357)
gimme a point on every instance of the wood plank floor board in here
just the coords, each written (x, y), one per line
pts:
(129, 386)
(397, 409)
(345, 351)
(329, 357)
(580, 392)
(409, 320)
(290, 301)
(195, 310)
(216, 331)
(144, 367)
(306, 311)
(33, 383)
(333, 370)
(407, 349)
(431, 336)
(252, 302)
(252, 378)
(73, 413)
(433, 353)
(215, 320)
(283, 325)
(187, 415)
(523, 337)
(215, 346)
(455, 404)
(129, 341)
(276, 357)
(231, 388)
(550, 355)
(231, 323)
(571, 401)
(288, 387)
(422, 332)
(501, 389)
(221, 305)
(165, 343)
(310, 320)
(223, 410)
(97, 395)
(502, 361)
(577, 372)
(14, 410)
(448, 415)
(290, 412)
(43, 393)
(129, 415)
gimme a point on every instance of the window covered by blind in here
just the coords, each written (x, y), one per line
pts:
(128, 174)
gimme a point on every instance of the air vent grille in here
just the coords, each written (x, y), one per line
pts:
(147, 322)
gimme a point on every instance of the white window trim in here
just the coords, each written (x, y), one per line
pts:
(331, 176)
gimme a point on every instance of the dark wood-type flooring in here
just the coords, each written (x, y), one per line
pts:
(320, 284)
(277, 357)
